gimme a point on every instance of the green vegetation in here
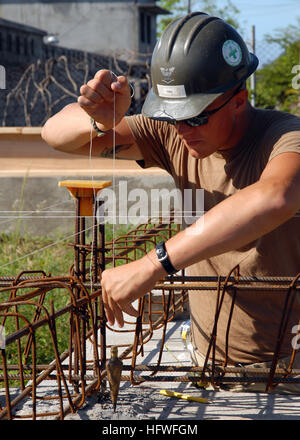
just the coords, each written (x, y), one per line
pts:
(34, 253)
(46, 254)
(274, 81)
(229, 12)
(55, 257)
(274, 88)
(39, 255)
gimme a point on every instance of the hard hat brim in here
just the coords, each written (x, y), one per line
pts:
(157, 107)
(179, 109)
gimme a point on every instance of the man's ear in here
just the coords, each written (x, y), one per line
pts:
(241, 100)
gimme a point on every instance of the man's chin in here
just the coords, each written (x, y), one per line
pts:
(195, 150)
(196, 154)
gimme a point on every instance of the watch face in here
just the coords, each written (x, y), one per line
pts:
(160, 253)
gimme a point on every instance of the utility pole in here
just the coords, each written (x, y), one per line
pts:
(253, 76)
(189, 7)
(299, 88)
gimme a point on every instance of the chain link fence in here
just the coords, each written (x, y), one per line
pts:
(35, 92)
(275, 84)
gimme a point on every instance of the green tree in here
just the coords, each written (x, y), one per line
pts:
(178, 8)
(285, 36)
(274, 80)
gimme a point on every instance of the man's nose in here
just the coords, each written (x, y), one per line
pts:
(183, 128)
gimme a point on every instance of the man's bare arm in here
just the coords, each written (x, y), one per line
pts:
(236, 221)
(70, 131)
(106, 99)
(245, 216)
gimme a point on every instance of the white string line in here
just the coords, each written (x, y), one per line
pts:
(114, 336)
(113, 176)
(31, 212)
(92, 175)
(94, 201)
(120, 216)
(44, 247)
(56, 204)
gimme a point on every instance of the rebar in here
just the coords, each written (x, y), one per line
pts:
(29, 313)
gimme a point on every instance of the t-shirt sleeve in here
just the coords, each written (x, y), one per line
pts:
(287, 138)
(150, 136)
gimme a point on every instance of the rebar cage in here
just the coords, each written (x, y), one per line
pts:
(30, 317)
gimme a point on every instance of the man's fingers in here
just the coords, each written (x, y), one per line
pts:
(113, 82)
(95, 90)
(109, 315)
(121, 85)
(108, 312)
(112, 311)
(90, 94)
(118, 314)
(106, 76)
(130, 310)
(85, 102)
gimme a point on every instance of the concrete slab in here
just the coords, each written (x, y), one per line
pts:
(144, 402)
(143, 405)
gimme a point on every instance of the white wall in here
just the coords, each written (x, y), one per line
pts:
(97, 27)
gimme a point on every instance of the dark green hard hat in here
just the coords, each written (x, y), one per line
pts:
(198, 58)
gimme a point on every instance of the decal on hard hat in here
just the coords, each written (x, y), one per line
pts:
(167, 73)
(171, 91)
(232, 53)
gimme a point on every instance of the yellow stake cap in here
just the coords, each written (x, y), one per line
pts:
(183, 396)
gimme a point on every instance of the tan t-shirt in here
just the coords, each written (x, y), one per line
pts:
(256, 315)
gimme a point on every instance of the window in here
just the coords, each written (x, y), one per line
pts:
(148, 28)
(145, 28)
(25, 46)
(18, 44)
(142, 26)
(9, 43)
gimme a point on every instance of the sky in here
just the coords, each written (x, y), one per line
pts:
(267, 16)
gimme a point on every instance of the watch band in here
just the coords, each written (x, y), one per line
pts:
(163, 258)
(95, 126)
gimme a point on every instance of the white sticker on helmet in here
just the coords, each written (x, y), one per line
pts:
(167, 73)
(232, 53)
(171, 91)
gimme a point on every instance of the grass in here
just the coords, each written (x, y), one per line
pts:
(20, 251)
(28, 253)
(53, 256)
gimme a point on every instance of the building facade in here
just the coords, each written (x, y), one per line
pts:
(20, 44)
(38, 79)
(122, 28)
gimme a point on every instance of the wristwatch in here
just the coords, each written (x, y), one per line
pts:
(95, 126)
(163, 258)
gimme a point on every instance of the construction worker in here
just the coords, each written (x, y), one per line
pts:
(198, 124)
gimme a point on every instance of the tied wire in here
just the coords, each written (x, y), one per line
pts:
(113, 175)
(113, 76)
(94, 193)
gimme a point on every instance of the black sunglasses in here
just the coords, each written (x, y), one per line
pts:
(202, 118)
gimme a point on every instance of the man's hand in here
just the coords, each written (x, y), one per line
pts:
(97, 98)
(124, 284)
